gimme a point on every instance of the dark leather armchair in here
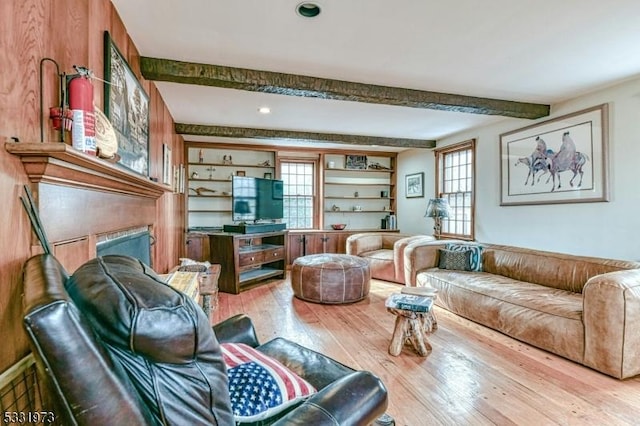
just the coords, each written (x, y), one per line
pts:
(115, 346)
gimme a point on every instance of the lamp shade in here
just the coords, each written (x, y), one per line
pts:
(438, 207)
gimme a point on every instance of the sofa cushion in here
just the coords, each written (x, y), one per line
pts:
(525, 311)
(562, 271)
(385, 255)
(381, 264)
(260, 386)
(454, 260)
(475, 256)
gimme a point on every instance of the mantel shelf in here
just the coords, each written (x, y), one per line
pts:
(60, 164)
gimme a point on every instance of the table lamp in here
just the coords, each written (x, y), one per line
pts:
(437, 209)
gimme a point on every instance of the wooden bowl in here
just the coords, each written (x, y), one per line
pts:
(339, 226)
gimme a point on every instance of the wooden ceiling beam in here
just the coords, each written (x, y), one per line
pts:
(322, 88)
(269, 134)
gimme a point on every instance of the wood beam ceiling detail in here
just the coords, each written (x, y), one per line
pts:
(322, 88)
(269, 134)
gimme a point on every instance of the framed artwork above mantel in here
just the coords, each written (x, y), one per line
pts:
(126, 104)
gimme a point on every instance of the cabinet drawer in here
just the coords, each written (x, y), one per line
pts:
(273, 254)
(250, 258)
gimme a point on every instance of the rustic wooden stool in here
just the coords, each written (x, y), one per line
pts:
(207, 291)
(413, 326)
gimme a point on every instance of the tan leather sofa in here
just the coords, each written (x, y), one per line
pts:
(384, 251)
(582, 308)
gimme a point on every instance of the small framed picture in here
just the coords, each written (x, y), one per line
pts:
(414, 185)
(355, 162)
(166, 164)
(240, 173)
(268, 175)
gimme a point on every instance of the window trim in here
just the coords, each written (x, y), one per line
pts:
(439, 154)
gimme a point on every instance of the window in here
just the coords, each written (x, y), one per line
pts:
(299, 193)
(455, 170)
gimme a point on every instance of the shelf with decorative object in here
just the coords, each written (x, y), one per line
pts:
(359, 184)
(354, 184)
(357, 170)
(210, 171)
(352, 197)
(209, 180)
(359, 211)
(246, 166)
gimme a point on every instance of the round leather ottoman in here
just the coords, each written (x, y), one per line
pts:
(330, 278)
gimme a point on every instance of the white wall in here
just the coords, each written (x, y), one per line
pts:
(411, 211)
(605, 229)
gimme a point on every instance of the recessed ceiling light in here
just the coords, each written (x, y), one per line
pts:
(264, 110)
(308, 10)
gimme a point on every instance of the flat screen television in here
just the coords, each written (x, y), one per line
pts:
(255, 199)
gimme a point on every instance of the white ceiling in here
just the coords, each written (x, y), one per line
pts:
(542, 51)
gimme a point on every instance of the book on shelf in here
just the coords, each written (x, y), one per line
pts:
(409, 302)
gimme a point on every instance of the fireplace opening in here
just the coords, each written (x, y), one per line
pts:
(134, 242)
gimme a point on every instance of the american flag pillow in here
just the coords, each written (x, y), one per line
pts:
(260, 386)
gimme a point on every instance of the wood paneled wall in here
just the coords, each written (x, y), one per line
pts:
(71, 33)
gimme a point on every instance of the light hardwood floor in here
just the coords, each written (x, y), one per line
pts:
(474, 376)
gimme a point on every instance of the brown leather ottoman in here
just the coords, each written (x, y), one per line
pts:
(330, 278)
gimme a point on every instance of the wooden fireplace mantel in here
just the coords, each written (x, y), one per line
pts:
(60, 164)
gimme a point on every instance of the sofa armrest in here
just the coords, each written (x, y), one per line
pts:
(611, 317)
(370, 241)
(361, 243)
(236, 329)
(357, 399)
(419, 255)
(398, 253)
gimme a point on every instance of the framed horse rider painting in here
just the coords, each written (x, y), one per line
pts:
(562, 160)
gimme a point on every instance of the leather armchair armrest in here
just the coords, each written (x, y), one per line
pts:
(398, 253)
(236, 329)
(359, 398)
(370, 241)
(419, 255)
(611, 316)
(360, 243)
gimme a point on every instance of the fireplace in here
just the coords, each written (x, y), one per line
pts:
(134, 242)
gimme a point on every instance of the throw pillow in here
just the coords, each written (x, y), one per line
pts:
(454, 260)
(476, 254)
(260, 386)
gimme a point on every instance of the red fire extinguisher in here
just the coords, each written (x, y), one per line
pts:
(83, 133)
